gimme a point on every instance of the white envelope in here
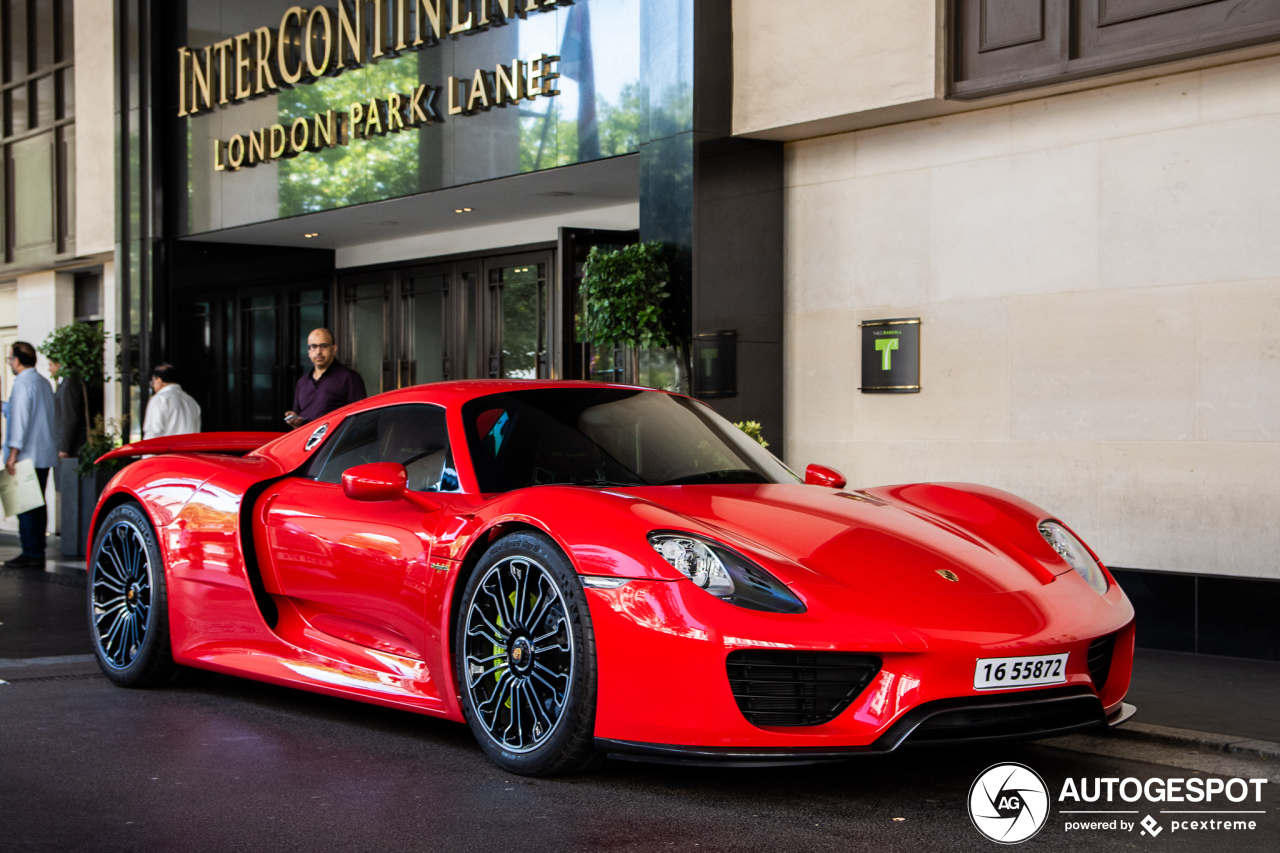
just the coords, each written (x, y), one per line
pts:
(20, 493)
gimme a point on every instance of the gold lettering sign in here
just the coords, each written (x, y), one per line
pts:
(328, 40)
(312, 42)
(323, 130)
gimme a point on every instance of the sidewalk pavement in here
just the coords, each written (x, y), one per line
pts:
(1200, 701)
(1205, 701)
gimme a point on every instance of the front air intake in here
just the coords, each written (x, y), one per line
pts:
(1100, 659)
(1024, 714)
(1008, 720)
(775, 688)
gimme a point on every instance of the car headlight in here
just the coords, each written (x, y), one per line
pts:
(724, 573)
(1077, 556)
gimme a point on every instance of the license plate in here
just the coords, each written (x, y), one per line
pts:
(995, 673)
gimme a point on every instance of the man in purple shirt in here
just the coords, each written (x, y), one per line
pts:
(330, 386)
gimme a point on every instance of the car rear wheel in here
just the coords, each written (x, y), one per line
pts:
(128, 607)
(524, 657)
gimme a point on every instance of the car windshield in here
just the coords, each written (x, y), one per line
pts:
(609, 437)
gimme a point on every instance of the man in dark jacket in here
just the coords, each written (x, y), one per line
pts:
(69, 408)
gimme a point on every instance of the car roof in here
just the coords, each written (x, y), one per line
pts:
(459, 391)
(289, 450)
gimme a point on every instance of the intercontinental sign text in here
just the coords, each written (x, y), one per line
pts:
(325, 41)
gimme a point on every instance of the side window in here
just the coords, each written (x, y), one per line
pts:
(414, 435)
(315, 465)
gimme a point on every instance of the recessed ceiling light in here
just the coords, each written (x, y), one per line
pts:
(311, 234)
(462, 210)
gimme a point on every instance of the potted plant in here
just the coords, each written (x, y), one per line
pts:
(631, 297)
(753, 431)
(78, 350)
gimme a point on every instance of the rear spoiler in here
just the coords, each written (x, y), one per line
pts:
(196, 442)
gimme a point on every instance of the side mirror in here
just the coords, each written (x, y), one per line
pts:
(815, 475)
(376, 481)
(383, 481)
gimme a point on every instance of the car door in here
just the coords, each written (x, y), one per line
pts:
(360, 570)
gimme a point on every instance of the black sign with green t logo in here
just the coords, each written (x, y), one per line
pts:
(715, 364)
(891, 356)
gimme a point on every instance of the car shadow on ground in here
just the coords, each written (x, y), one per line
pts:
(442, 737)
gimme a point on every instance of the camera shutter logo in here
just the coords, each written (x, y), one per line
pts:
(1009, 803)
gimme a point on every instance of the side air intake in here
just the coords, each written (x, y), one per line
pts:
(776, 688)
(1100, 651)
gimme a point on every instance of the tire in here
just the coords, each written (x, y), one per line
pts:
(526, 676)
(128, 604)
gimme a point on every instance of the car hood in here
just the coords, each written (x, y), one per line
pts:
(932, 539)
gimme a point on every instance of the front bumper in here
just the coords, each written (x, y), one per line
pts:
(664, 694)
(953, 721)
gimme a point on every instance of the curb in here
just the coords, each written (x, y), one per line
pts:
(1232, 744)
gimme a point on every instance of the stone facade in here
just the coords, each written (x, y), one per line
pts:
(1098, 278)
(36, 299)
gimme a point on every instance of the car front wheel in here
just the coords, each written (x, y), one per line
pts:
(524, 655)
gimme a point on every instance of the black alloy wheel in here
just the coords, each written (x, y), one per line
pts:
(128, 607)
(524, 658)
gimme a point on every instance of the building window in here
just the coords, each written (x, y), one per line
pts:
(88, 302)
(38, 144)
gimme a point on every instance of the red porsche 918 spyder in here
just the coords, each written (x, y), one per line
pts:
(577, 569)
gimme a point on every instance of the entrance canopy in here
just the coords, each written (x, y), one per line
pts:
(548, 193)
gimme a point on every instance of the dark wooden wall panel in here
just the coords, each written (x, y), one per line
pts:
(1108, 27)
(1001, 46)
(994, 38)
(1119, 11)
(1009, 23)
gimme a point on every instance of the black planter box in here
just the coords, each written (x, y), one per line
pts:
(77, 498)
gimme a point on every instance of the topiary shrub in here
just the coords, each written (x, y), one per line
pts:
(627, 300)
(754, 430)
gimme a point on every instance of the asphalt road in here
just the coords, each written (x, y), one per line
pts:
(233, 765)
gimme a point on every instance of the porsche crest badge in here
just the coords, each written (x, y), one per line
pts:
(949, 575)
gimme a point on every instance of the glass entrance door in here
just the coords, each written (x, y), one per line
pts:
(518, 319)
(241, 351)
(364, 344)
(424, 331)
(467, 319)
(261, 358)
(274, 328)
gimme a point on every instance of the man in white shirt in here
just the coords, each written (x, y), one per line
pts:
(171, 411)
